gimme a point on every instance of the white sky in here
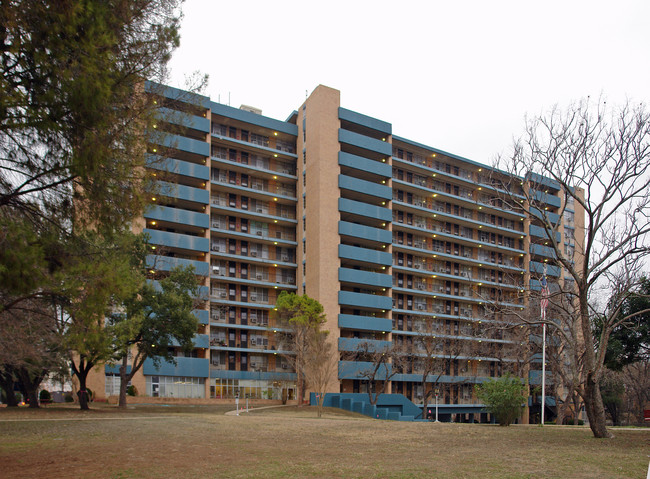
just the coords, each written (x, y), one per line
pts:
(455, 75)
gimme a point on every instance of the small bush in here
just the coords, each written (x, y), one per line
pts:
(45, 395)
(503, 397)
(19, 397)
(131, 390)
(68, 398)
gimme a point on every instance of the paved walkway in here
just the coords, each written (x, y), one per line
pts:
(243, 409)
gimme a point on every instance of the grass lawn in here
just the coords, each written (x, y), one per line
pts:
(200, 441)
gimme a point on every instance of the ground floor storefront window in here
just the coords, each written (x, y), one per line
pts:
(252, 389)
(175, 387)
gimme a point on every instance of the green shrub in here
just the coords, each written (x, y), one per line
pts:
(45, 395)
(503, 397)
(68, 398)
(19, 397)
(131, 390)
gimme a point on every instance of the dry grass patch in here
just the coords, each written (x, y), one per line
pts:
(200, 441)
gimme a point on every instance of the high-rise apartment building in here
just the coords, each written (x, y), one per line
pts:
(395, 238)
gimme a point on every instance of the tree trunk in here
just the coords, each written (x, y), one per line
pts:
(7, 384)
(595, 409)
(29, 386)
(82, 394)
(124, 381)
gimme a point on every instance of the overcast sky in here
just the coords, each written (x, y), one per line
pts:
(458, 76)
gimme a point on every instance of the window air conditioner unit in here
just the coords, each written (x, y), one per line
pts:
(258, 277)
(253, 297)
(253, 319)
(421, 307)
(253, 342)
(421, 286)
(222, 295)
(284, 366)
(285, 258)
(259, 210)
(291, 281)
(416, 266)
(254, 254)
(259, 233)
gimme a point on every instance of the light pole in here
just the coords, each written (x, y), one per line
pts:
(437, 393)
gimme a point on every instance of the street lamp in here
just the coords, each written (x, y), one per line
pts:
(437, 394)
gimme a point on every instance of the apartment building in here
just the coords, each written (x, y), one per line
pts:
(395, 238)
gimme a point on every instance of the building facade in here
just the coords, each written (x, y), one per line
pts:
(396, 239)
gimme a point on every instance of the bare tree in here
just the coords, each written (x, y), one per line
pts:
(636, 378)
(437, 351)
(600, 159)
(320, 366)
(374, 364)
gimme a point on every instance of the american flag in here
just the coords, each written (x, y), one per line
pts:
(544, 295)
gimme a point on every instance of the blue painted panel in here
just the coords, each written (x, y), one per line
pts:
(179, 167)
(115, 368)
(543, 180)
(203, 315)
(253, 375)
(365, 323)
(202, 341)
(177, 94)
(166, 263)
(364, 254)
(540, 232)
(541, 250)
(364, 164)
(364, 120)
(177, 240)
(547, 198)
(365, 142)
(253, 118)
(365, 232)
(356, 369)
(363, 300)
(538, 268)
(366, 187)
(364, 209)
(357, 276)
(183, 119)
(185, 367)
(177, 215)
(353, 344)
(553, 218)
(189, 145)
(183, 192)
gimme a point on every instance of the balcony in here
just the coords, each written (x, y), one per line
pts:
(177, 215)
(365, 165)
(540, 232)
(185, 367)
(553, 218)
(167, 263)
(365, 255)
(365, 323)
(363, 300)
(364, 187)
(353, 344)
(177, 240)
(365, 142)
(541, 250)
(180, 118)
(185, 144)
(356, 369)
(364, 278)
(182, 192)
(365, 121)
(540, 196)
(363, 209)
(178, 167)
(362, 232)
